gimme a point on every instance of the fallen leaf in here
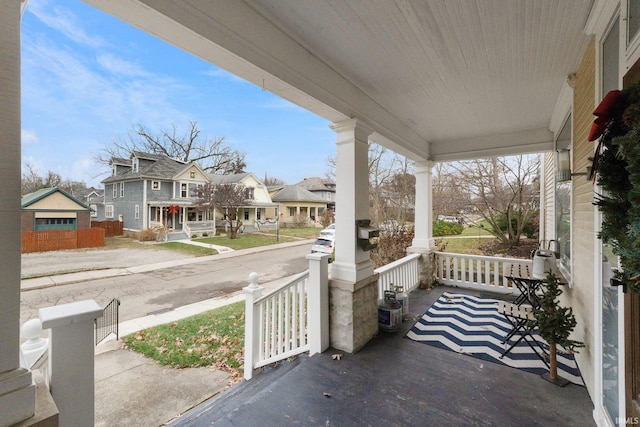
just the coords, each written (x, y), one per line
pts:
(325, 394)
(337, 356)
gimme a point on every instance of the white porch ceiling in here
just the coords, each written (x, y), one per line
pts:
(436, 79)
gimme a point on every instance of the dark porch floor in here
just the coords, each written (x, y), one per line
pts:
(395, 381)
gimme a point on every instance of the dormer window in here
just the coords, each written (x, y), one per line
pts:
(114, 170)
(136, 164)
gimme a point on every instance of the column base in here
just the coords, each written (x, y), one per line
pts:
(46, 414)
(427, 266)
(353, 313)
(17, 396)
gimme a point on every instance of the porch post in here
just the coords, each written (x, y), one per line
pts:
(353, 286)
(423, 242)
(17, 393)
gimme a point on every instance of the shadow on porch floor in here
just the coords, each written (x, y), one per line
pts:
(395, 381)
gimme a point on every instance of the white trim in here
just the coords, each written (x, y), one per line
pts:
(156, 181)
(145, 211)
(631, 49)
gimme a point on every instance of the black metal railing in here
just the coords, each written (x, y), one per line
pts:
(108, 323)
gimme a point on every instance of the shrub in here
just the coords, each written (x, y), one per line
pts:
(205, 234)
(444, 228)
(147, 235)
(530, 229)
(391, 247)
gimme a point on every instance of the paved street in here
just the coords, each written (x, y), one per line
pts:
(165, 289)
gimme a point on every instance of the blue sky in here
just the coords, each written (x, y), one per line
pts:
(88, 77)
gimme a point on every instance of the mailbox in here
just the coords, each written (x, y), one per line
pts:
(367, 235)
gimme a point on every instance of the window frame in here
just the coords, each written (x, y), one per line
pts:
(109, 211)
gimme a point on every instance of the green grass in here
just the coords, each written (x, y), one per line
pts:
(186, 248)
(214, 338)
(467, 246)
(474, 231)
(245, 241)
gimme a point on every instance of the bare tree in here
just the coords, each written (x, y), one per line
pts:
(214, 155)
(227, 198)
(272, 181)
(505, 192)
(449, 197)
(33, 181)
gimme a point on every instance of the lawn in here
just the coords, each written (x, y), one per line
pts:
(301, 233)
(186, 248)
(214, 338)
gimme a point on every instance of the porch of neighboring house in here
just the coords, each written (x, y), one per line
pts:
(395, 381)
(182, 221)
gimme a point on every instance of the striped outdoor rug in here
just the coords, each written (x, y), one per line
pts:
(473, 326)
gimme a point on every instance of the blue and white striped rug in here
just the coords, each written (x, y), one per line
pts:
(473, 326)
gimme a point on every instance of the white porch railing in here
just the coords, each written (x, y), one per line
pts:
(288, 321)
(403, 273)
(476, 272)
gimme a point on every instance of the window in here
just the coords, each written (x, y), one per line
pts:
(94, 210)
(633, 19)
(246, 214)
(249, 192)
(292, 211)
(192, 174)
(108, 211)
(258, 214)
(136, 213)
(563, 204)
(155, 185)
(122, 189)
(183, 190)
(115, 190)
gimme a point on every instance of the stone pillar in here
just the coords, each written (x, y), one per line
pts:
(423, 242)
(17, 391)
(353, 286)
(71, 358)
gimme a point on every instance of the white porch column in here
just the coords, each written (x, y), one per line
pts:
(352, 264)
(423, 242)
(423, 227)
(353, 287)
(17, 393)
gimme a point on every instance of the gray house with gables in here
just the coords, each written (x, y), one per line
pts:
(151, 191)
(155, 191)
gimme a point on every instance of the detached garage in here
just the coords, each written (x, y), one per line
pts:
(54, 209)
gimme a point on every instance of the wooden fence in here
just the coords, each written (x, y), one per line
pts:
(111, 228)
(55, 240)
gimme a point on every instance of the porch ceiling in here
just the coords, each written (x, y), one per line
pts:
(436, 79)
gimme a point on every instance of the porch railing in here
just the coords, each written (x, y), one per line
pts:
(476, 272)
(290, 320)
(403, 273)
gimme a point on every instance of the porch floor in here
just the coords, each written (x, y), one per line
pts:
(395, 381)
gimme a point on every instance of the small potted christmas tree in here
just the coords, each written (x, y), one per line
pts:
(555, 324)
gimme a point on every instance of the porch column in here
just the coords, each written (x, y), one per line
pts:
(17, 393)
(423, 242)
(353, 286)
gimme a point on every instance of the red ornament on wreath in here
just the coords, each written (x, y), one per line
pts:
(173, 209)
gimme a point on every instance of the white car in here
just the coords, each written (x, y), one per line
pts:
(323, 244)
(329, 231)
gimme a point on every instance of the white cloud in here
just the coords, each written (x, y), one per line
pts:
(29, 137)
(64, 21)
(120, 66)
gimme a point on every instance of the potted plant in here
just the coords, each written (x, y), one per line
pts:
(555, 324)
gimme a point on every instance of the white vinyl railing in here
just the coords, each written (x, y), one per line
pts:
(476, 272)
(290, 320)
(403, 273)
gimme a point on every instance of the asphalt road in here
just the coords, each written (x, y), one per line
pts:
(169, 288)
